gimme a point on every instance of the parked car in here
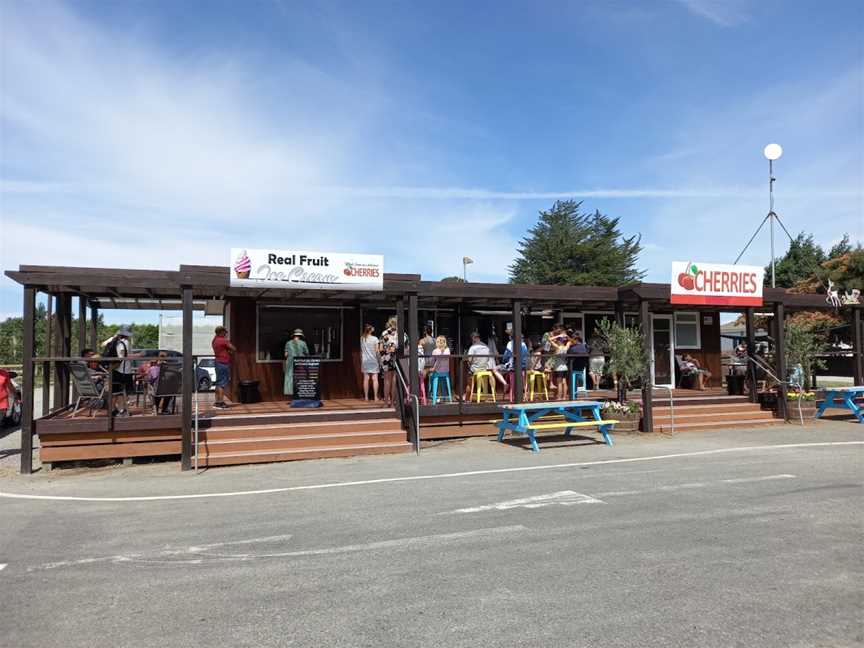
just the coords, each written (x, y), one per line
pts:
(14, 418)
(208, 365)
(204, 379)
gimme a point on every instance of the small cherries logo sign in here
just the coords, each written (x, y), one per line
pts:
(687, 280)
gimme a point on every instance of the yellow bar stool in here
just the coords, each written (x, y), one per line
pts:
(533, 377)
(479, 383)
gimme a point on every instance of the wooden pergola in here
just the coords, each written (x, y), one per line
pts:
(188, 287)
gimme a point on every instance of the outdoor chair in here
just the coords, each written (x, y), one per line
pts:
(481, 380)
(578, 375)
(86, 388)
(537, 380)
(169, 385)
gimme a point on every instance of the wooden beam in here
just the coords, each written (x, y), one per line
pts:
(413, 341)
(780, 357)
(46, 366)
(749, 315)
(188, 382)
(647, 384)
(94, 328)
(858, 345)
(28, 383)
(517, 351)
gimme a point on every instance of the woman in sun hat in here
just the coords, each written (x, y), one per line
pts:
(294, 348)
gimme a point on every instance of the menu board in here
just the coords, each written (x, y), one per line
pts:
(307, 378)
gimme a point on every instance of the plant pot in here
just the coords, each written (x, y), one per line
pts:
(807, 412)
(627, 423)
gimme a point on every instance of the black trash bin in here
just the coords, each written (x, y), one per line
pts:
(735, 385)
(249, 392)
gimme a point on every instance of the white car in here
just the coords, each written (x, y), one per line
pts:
(208, 365)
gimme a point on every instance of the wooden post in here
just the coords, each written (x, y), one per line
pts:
(780, 357)
(858, 345)
(63, 350)
(27, 383)
(82, 324)
(647, 384)
(517, 351)
(46, 366)
(413, 342)
(188, 382)
(619, 313)
(751, 352)
(400, 327)
(94, 328)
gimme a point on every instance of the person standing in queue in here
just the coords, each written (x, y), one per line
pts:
(294, 348)
(222, 350)
(370, 362)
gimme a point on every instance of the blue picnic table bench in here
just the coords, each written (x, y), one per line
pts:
(526, 418)
(843, 398)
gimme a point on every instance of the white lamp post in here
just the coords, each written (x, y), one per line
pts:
(772, 152)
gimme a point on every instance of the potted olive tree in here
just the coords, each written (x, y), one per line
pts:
(627, 363)
(803, 345)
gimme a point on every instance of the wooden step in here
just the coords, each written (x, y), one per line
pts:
(263, 442)
(302, 429)
(269, 456)
(710, 409)
(720, 425)
(226, 419)
(719, 417)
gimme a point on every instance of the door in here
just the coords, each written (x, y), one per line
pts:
(662, 351)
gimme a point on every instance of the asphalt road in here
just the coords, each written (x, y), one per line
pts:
(645, 544)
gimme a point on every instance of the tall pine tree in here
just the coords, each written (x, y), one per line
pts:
(566, 247)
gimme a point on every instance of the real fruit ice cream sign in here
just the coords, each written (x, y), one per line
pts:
(716, 284)
(306, 270)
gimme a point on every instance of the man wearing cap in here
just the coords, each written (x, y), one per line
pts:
(294, 348)
(122, 375)
(222, 350)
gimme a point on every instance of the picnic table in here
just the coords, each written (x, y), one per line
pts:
(843, 398)
(525, 418)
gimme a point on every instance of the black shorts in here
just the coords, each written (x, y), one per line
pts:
(121, 382)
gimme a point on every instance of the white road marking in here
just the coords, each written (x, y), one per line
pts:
(3, 566)
(747, 480)
(563, 498)
(395, 543)
(689, 485)
(390, 480)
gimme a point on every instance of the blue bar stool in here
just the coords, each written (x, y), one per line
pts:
(581, 374)
(446, 378)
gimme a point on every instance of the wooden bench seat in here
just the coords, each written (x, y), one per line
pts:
(569, 424)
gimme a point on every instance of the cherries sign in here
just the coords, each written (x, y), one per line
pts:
(687, 280)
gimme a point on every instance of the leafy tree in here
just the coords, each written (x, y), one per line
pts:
(803, 344)
(801, 260)
(453, 279)
(841, 248)
(628, 354)
(566, 247)
(845, 271)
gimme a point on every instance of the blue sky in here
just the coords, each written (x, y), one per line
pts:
(149, 134)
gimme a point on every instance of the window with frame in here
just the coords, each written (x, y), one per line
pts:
(687, 331)
(322, 330)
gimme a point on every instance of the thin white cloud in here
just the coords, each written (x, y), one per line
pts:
(724, 13)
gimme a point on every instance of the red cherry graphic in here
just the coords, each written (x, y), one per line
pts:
(682, 279)
(347, 272)
(689, 283)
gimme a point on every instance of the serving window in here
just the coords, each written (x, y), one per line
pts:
(322, 328)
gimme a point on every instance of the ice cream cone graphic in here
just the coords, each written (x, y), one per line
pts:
(242, 266)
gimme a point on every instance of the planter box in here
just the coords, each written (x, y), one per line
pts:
(808, 411)
(627, 423)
